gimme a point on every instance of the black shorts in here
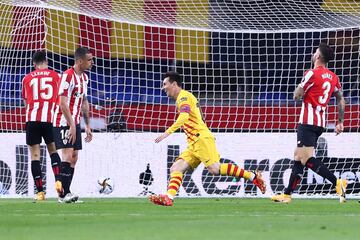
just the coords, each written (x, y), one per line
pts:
(307, 135)
(35, 131)
(62, 141)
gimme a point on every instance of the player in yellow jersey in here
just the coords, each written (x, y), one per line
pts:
(201, 143)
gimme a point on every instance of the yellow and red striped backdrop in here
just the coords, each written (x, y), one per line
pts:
(6, 25)
(63, 32)
(192, 45)
(66, 31)
(127, 40)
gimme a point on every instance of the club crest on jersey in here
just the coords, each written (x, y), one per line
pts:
(77, 94)
(65, 141)
(65, 85)
(183, 99)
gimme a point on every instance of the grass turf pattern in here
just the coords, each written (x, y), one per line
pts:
(197, 218)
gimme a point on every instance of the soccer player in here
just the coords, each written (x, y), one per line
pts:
(316, 89)
(40, 93)
(201, 143)
(67, 131)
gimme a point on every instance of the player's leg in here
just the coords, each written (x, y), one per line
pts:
(296, 174)
(312, 133)
(48, 136)
(55, 160)
(229, 169)
(319, 167)
(176, 177)
(62, 143)
(69, 156)
(74, 154)
(74, 159)
(183, 163)
(307, 136)
(56, 166)
(307, 141)
(303, 151)
(207, 152)
(36, 171)
(33, 140)
(300, 156)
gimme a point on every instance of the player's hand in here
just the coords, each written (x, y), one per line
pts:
(339, 128)
(89, 134)
(161, 137)
(72, 134)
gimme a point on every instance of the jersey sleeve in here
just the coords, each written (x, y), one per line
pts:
(57, 82)
(182, 118)
(57, 78)
(23, 92)
(184, 104)
(307, 82)
(87, 84)
(65, 84)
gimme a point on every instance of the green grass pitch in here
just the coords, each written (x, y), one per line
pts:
(199, 218)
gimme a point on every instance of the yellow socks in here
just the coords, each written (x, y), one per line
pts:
(174, 184)
(227, 169)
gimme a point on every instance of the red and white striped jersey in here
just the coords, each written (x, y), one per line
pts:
(74, 87)
(40, 90)
(319, 84)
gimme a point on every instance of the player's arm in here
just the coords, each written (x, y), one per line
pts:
(304, 86)
(23, 92)
(65, 86)
(184, 109)
(85, 110)
(70, 121)
(182, 118)
(341, 111)
(201, 112)
(298, 93)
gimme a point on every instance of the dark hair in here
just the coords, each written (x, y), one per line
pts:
(326, 52)
(81, 52)
(39, 57)
(174, 77)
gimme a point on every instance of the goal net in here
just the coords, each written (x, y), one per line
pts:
(241, 59)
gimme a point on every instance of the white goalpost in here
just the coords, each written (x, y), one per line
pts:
(242, 59)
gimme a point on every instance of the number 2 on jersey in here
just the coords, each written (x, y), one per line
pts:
(326, 86)
(46, 89)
